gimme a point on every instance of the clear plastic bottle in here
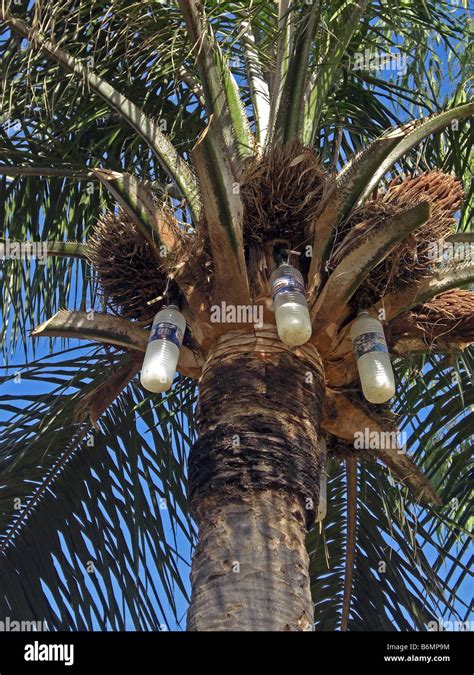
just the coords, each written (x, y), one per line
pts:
(291, 309)
(373, 359)
(162, 352)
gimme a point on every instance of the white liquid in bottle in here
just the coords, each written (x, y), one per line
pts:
(291, 309)
(162, 352)
(373, 359)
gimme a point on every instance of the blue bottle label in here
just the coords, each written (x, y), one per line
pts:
(369, 342)
(287, 284)
(167, 331)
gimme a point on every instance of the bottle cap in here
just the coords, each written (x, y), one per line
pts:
(172, 307)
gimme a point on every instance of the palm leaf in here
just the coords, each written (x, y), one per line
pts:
(175, 166)
(115, 470)
(410, 563)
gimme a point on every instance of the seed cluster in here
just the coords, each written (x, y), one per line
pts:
(128, 270)
(411, 259)
(281, 193)
(448, 317)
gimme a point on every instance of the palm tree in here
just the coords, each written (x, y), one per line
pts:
(174, 152)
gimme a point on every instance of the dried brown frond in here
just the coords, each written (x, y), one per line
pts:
(412, 258)
(357, 227)
(281, 192)
(340, 449)
(380, 413)
(448, 317)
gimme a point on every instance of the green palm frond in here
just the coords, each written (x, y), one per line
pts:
(347, 22)
(145, 127)
(410, 563)
(44, 210)
(113, 497)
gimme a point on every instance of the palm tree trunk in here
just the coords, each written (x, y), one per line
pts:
(254, 478)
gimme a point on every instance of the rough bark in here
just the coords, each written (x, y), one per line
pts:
(250, 570)
(254, 477)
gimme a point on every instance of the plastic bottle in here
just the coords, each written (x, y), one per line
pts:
(373, 359)
(162, 352)
(291, 309)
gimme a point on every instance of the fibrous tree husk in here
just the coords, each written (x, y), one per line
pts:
(132, 273)
(129, 271)
(281, 192)
(381, 413)
(448, 317)
(413, 258)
